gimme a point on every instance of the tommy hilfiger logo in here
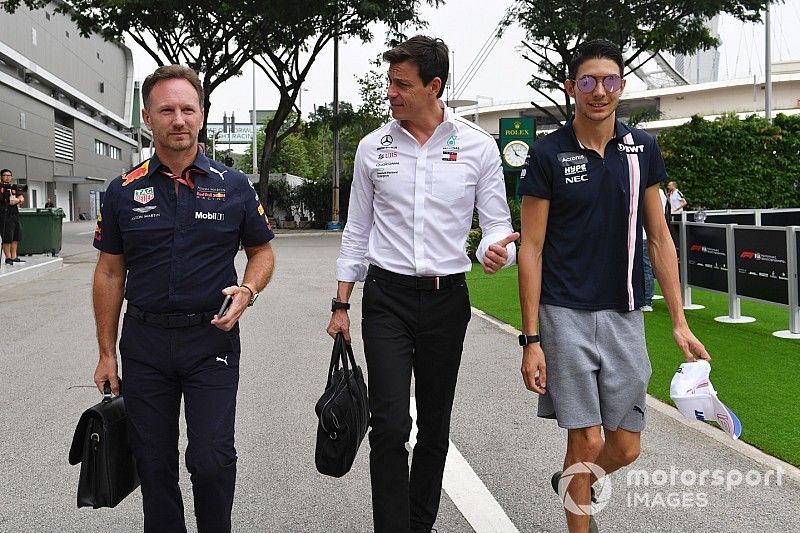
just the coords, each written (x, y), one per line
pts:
(199, 215)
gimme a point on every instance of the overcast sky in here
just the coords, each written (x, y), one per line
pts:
(465, 25)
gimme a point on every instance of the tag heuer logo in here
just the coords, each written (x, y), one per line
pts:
(143, 196)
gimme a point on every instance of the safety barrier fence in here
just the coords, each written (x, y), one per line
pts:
(750, 254)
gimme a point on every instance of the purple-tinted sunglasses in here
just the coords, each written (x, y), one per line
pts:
(586, 84)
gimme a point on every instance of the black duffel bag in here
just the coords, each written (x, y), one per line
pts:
(343, 412)
(100, 444)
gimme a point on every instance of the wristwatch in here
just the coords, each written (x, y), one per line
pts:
(336, 304)
(525, 340)
(253, 294)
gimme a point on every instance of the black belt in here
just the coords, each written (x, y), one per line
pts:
(170, 320)
(416, 282)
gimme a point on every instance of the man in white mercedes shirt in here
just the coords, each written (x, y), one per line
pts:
(416, 182)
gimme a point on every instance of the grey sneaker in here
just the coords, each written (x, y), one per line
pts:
(646, 308)
(554, 479)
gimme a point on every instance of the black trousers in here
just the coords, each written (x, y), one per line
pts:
(404, 329)
(200, 363)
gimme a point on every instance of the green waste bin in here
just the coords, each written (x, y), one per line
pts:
(41, 231)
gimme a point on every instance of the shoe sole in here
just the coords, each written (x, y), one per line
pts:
(554, 479)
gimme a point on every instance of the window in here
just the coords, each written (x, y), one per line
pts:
(107, 150)
(64, 142)
(100, 148)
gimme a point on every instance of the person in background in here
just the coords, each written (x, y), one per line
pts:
(676, 200)
(11, 198)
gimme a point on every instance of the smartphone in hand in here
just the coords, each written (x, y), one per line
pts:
(226, 303)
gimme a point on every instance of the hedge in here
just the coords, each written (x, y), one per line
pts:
(733, 163)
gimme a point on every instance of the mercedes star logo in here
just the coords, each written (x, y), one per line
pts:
(386, 140)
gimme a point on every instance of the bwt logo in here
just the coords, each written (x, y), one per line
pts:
(631, 149)
(208, 216)
(747, 255)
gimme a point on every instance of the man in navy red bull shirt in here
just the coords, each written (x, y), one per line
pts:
(588, 188)
(168, 234)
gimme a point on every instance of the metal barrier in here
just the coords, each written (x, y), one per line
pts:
(752, 261)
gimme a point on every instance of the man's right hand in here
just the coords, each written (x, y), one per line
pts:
(340, 322)
(534, 369)
(107, 371)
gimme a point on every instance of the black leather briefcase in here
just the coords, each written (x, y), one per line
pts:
(343, 412)
(100, 444)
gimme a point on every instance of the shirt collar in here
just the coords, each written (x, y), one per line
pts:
(449, 118)
(620, 131)
(200, 164)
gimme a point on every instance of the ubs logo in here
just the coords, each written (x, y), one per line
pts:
(386, 140)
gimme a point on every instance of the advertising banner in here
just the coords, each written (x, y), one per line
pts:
(780, 218)
(707, 257)
(761, 264)
(744, 219)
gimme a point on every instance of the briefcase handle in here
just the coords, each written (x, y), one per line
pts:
(107, 390)
(342, 351)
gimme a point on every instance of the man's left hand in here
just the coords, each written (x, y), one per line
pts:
(692, 348)
(241, 299)
(497, 254)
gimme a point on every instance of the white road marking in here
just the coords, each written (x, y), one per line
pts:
(466, 489)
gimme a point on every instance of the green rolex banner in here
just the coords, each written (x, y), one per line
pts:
(516, 136)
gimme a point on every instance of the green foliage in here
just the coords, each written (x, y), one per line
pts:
(554, 31)
(733, 163)
(475, 235)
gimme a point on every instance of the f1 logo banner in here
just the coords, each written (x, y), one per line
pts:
(707, 257)
(762, 270)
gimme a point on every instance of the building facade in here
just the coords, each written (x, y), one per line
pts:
(65, 110)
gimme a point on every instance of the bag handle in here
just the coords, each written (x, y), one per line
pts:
(341, 353)
(107, 390)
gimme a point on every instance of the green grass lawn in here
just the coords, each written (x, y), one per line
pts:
(756, 375)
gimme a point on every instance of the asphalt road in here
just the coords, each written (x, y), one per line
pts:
(48, 355)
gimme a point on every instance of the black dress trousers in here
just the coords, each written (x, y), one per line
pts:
(411, 326)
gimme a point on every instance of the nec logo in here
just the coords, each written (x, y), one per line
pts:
(576, 179)
(631, 148)
(199, 215)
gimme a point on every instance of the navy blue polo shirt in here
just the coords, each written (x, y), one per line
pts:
(179, 247)
(592, 256)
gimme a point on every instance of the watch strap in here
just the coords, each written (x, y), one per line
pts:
(525, 340)
(336, 304)
(253, 294)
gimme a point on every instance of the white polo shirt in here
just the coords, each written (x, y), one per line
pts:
(411, 205)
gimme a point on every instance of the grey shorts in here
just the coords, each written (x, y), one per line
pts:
(597, 368)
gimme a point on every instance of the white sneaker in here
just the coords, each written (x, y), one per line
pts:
(646, 308)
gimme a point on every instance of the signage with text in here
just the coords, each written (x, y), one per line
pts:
(707, 257)
(761, 266)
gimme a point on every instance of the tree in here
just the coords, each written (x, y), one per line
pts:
(216, 38)
(199, 34)
(643, 28)
(292, 33)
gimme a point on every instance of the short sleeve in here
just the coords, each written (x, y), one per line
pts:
(534, 180)
(658, 171)
(107, 234)
(255, 228)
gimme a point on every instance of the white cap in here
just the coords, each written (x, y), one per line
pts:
(696, 399)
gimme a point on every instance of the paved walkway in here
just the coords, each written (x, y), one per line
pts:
(49, 356)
